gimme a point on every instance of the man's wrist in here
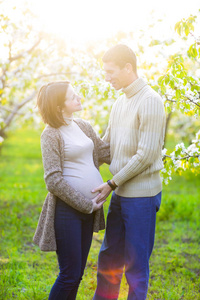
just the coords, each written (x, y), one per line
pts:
(112, 184)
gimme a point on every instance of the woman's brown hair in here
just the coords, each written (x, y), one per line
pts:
(50, 101)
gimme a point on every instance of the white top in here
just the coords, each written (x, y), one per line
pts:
(136, 133)
(79, 169)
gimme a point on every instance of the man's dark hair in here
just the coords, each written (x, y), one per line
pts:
(121, 55)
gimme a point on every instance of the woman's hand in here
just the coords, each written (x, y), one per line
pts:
(104, 190)
(97, 203)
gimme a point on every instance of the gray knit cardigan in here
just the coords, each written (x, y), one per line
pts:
(52, 146)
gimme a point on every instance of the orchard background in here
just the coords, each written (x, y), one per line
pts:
(170, 63)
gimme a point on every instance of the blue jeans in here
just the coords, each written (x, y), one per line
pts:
(73, 231)
(128, 242)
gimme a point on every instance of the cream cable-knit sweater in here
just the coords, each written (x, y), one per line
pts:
(136, 134)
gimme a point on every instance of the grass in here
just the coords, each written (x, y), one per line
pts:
(28, 273)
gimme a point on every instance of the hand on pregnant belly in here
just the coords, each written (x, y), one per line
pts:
(104, 190)
(97, 203)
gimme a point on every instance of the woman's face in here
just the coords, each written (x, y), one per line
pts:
(72, 102)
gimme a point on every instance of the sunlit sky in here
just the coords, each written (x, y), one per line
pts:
(85, 20)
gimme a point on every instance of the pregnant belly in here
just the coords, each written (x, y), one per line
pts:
(85, 183)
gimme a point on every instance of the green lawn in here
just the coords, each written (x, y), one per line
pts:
(28, 273)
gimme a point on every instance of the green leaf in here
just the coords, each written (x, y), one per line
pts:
(191, 160)
(195, 52)
(168, 109)
(166, 79)
(177, 26)
(178, 151)
(160, 79)
(187, 30)
(179, 30)
(182, 92)
(178, 94)
(185, 81)
(172, 84)
(192, 51)
(163, 89)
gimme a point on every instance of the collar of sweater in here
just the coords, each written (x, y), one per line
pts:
(134, 87)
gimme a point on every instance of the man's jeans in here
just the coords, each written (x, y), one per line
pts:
(128, 243)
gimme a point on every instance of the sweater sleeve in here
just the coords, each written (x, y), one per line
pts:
(106, 137)
(152, 123)
(55, 183)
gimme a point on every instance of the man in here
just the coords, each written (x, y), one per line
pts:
(135, 133)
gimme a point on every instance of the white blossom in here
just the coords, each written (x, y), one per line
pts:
(193, 149)
(1, 139)
(164, 151)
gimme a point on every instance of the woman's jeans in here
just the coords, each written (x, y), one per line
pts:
(73, 231)
(128, 243)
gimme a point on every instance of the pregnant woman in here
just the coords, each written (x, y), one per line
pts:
(71, 153)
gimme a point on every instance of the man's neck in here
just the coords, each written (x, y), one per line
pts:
(134, 87)
(132, 78)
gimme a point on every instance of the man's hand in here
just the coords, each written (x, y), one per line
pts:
(104, 189)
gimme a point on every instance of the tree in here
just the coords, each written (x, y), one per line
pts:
(170, 65)
(32, 58)
(180, 87)
(25, 66)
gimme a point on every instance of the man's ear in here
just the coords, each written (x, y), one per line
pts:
(128, 68)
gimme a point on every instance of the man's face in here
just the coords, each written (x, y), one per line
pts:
(116, 76)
